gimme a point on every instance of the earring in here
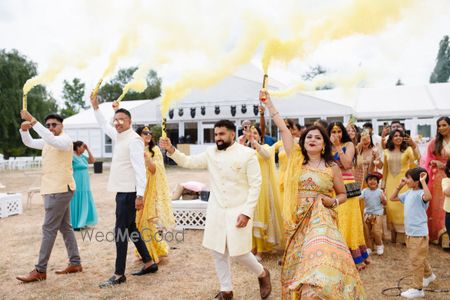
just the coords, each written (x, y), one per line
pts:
(323, 150)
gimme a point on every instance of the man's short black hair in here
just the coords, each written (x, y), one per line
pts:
(396, 122)
(124, 111)
(368, 125)
(227, 124)
(54, 116)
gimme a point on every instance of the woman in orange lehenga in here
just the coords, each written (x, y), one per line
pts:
(317, 263)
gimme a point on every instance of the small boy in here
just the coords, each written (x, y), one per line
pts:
(416, 201)
(374, 199)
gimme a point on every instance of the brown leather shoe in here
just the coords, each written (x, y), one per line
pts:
(265, 287)
(33, 276)
(70, 269)
(224, 295)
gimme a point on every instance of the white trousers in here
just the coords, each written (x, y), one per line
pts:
(223, 267)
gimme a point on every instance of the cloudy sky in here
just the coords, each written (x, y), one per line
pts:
(178, 38)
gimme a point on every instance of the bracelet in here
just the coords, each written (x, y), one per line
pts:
(274, 114)
(335, 203)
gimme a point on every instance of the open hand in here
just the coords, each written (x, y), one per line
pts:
(334, 139)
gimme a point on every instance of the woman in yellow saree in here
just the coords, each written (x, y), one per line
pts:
(267, 221)
(157, 201)
(317, 263)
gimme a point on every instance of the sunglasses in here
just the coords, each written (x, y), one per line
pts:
(51, 125)
(146, 133)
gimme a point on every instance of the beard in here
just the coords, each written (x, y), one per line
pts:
(222, 145)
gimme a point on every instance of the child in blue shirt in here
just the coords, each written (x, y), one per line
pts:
(416, 201)
(374, 199)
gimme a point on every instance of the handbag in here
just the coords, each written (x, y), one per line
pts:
(353, 189)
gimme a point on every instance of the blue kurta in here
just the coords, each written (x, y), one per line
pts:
(82, 208)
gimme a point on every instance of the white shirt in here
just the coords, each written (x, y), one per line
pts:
(62, 141)
(136, 153)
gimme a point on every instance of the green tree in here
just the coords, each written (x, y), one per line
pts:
(73, 93)
(15, 70)
(441, 72)
(113, 89)
(313, 73)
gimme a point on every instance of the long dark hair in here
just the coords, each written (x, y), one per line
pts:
(345, 137)
(151, 144)
(438, 142)
(326, 155)
(261, 138)
(357, 134)
(359, 147)
(390, 142)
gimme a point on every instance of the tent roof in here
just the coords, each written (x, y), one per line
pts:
(393, 102)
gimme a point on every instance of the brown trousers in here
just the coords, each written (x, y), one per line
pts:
(418, 252)
(373, 230)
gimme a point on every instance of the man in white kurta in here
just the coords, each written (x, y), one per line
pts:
(235, 185)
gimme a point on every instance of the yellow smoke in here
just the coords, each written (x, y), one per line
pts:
(345, 82)
(254, 34)
(127, 43)
(358, 17)
(281, 50)
(48, 76)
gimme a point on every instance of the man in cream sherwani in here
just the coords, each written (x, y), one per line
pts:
(235, 185)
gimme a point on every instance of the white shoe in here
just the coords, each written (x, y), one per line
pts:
(369, 251)
(379, 249)
(427, 280)
(413, 293)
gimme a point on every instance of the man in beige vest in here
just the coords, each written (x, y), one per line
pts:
(57, 187)
(235, 185)
(127, 178)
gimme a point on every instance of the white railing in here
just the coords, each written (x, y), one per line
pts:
(20, 163)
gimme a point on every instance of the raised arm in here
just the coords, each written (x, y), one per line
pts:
(262, 122)
(426, 191)
(394, 196)
(62, 141)
(91, 158)
(107, 128)
(286, 136)
(27, 139)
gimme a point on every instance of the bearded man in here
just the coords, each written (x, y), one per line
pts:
(235, 185)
